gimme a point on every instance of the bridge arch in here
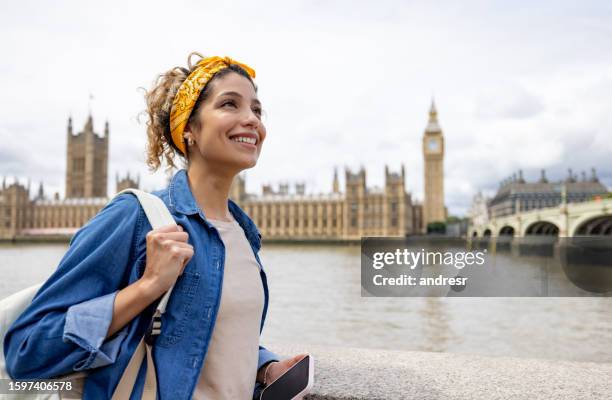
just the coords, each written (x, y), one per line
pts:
(599, 225)
(542, 228)
(506, 230)
(487, 232)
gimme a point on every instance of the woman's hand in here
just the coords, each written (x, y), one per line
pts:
(167, 254)
(276, 368)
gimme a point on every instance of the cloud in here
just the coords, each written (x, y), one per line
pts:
(507, 101)
(342, 84)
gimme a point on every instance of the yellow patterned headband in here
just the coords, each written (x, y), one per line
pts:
(189, 92)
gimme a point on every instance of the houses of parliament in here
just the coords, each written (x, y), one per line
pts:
(347, 213)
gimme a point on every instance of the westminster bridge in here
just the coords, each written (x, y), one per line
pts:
(577, 237)
(591, 218)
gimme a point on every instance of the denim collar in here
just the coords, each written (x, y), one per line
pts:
(182, 201)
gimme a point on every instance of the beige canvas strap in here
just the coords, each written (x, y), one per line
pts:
(158, 215)
(126, 384)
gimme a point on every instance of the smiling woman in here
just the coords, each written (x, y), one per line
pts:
(168, 133)
(117, 267)
(210, 115)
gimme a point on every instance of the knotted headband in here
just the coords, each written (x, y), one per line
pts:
(190, 89)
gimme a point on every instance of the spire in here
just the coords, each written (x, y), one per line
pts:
(432, 124)
(89, 103)
(41, 192)
(594, 175)
(570, 176)
(89, 124)
(520, 176)
(106, 130)
(336, 184)
(3, 182)
(70, 125)
(433, 113)
(543, 176)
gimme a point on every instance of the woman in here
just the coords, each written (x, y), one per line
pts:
(210, 116)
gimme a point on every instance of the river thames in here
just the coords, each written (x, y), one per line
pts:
(316, 299)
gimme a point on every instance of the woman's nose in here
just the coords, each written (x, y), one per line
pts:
(251, 119)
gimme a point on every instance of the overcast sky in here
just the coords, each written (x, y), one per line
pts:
(518, 85)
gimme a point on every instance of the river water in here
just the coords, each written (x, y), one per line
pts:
(316, 299)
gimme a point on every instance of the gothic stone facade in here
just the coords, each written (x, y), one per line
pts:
(86, 162)
(516, 195)
(86, 194)
(357, 212)
(349, 215)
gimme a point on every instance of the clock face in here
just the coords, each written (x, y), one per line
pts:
(433, 145)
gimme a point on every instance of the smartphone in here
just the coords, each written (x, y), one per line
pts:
(296, 381)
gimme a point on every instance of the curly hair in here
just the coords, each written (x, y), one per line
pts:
(160, 146)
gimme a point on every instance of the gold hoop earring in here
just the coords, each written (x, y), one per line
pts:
(190, 141)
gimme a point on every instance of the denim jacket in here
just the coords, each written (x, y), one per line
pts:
(64, 328)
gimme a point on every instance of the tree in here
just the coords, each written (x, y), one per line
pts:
(437, 227)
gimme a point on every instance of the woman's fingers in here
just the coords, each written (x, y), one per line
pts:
(169, 228)
(178, 236)
(168, 232)
(298, 358)
(181, 251)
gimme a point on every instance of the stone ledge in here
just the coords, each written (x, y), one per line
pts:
(349, 373)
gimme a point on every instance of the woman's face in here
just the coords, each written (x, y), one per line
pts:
(231, 132)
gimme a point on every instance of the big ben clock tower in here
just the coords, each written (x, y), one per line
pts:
(433, 154)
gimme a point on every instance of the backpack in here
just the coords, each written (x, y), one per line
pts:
(12, 306)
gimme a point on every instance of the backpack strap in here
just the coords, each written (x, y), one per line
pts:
(158, 216)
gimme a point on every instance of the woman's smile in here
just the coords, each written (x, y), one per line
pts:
(245, 140)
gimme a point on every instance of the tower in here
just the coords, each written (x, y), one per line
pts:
(355, 194)
(126, 182)
(336, 184)
(433, 154)
(396, 205)
(238, 189)
(86, 162)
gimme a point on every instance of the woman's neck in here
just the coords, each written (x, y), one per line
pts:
(211, 191)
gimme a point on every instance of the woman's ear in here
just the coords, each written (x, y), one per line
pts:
(189, 139)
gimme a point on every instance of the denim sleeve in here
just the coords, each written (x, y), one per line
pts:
(265, 356)
(87, 324)
(64, 328)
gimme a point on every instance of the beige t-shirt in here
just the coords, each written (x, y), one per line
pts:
(230, 366)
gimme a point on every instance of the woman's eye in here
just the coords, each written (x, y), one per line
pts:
(257, 111)
(230, 103)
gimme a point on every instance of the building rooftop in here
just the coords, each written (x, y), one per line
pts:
(98, 201)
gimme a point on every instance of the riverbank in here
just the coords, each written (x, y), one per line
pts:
(36, 239)
(421, 239)
(350, 373)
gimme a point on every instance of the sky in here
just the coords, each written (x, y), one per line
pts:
(344, 84)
